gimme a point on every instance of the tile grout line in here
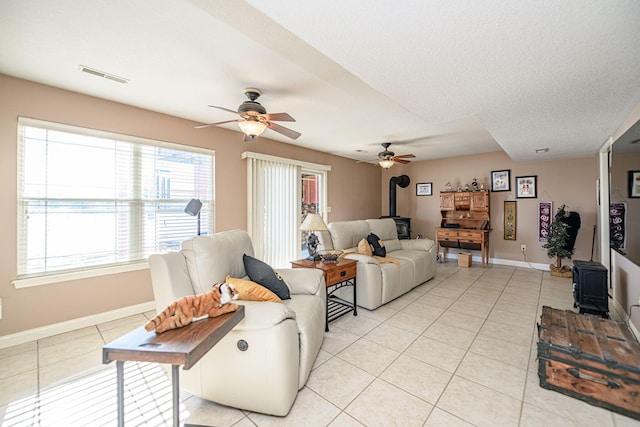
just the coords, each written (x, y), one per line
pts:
(467, 350)
(395, 359)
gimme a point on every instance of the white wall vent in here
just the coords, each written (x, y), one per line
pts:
(102, 74)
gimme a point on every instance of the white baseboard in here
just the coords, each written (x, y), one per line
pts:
(525, 264)
(623, 315)
(70, 325)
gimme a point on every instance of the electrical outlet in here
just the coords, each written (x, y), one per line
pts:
(0, 308)
(523, 248)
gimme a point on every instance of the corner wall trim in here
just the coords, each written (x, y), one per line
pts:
(70, 325)
(625, 317)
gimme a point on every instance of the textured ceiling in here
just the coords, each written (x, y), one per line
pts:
(438, 78)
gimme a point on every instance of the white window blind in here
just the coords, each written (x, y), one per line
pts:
(89, 199)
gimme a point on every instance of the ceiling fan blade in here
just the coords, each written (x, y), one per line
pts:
(225, 109)
(408, 156)
(404, 162)
(279, 117)
(283, 130)
(216, 124)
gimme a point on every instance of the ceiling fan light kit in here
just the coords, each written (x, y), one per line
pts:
(388, 158)
(252, 128)
(254, 118)
(386, 164)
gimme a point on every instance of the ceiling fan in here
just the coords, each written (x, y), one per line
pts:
(387, 158)
(254, 118)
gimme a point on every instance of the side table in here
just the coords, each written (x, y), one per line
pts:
(182, 346)
(336, 276)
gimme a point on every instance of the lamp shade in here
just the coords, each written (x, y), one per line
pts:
(313, 222)
(386, 164)
(252, 128)
(193, 207)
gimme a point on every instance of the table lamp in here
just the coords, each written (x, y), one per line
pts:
(313, 222)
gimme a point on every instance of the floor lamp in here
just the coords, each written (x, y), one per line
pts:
(193, 209)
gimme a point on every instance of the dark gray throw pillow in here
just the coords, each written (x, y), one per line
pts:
(377, 247)
(261, 273)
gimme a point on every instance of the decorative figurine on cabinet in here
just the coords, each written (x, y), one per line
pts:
(474, 184)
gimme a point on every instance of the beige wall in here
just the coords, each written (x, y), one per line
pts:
(625, 275)
(569, 181)
(353, 189)
(620, 193)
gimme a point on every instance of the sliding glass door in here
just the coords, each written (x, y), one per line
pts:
(282, 192)
(313, 201)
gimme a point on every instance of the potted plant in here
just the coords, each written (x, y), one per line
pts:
(558, 243)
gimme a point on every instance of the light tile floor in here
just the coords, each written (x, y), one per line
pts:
(459, 350)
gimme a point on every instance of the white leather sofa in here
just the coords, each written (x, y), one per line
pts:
(283, 338)
(378, 283)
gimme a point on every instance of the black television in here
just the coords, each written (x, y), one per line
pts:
(624, 194)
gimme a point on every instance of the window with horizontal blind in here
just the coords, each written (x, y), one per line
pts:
(90, 199)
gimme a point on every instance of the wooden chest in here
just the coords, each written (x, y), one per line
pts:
(590, 358)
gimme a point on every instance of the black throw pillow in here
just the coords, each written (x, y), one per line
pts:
(377, 247)
(261, 273)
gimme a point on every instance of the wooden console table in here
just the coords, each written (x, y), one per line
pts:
(463, 238)
(182, 346)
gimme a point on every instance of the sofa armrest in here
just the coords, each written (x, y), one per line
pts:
(418, 244)
(263, 314)
(169, 278)
(365, 259)
(309, 281)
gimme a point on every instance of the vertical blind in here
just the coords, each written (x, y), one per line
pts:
(274, 210)
(90, 199)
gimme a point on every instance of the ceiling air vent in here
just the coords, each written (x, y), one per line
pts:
(102, 74)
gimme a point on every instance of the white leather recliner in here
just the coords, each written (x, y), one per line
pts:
(283, 339)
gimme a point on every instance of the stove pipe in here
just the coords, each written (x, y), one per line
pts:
(402, 181)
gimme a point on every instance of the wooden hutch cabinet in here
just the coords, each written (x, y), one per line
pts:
(480, 201)
(465, 222)
(447, 202)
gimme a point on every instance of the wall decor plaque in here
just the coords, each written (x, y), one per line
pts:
(510, 220)
(617, 225)
(545, 215)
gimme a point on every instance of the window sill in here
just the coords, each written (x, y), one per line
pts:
(76, 275)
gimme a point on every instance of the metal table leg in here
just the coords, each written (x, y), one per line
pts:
(175, 387)
(175, 382)
(120, 379)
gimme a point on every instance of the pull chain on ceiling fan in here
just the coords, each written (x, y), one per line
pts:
(254, 118)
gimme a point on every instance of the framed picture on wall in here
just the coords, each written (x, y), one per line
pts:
(634, 184)
(526, 187)
(501, 180)
(424, 189)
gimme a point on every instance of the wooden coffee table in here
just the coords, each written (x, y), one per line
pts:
(336, 276)
(182, 346)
